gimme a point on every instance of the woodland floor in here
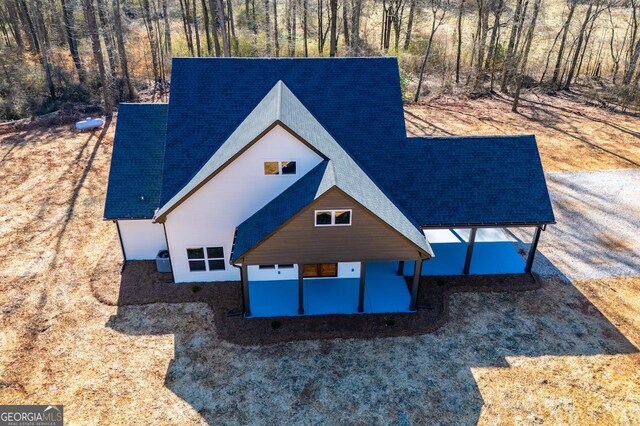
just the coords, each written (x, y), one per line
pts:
(566, 353)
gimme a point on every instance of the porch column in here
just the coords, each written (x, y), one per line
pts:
(244, 272)
(363, 273)
(417, 272)
(401, 268)
(532, 250)
(300, 289)
(467, 260)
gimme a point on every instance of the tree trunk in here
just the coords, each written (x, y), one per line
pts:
(633, 63)
(213, 21)
(107, 36)
(167, 28)
(184, 12)
(196, 30)
(333, 35)
(407, 39)
(525, 55)
(435, 24)
(563, 42)
(14, 23)
(222, 27)
(494, 33)
(483, 21)
(122, 53)
(459, 46)
(70, 27)
(305, 29)
(576, 54)
(97, 54)
(345, 24)
(27, 25)
(508, 69)
(267, 26)
(44, 56)
(276, 42)
(356, 11)
(294, 24)
(206, 25)
(233, 39)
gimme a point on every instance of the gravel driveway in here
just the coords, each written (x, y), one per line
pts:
(597, 234)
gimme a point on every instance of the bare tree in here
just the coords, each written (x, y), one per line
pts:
(333, 36)
(436, 21)
(525, 55)
(578, 49)
(276, 41)
(563, 41)
(356, 11)
(459, 45)
(412, 11)
(267, 26)
(68, 7)
(122, 53)
(97, 54)
(616, 54)
(222, 27)
(44, 55)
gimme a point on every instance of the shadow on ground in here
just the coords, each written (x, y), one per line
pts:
(418, 379)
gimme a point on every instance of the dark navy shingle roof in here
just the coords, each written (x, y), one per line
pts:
(357, 100)
(438, 181)
(279, 210)
(466, 180)
(135, 177)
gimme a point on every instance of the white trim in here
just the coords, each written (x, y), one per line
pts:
(333, 217)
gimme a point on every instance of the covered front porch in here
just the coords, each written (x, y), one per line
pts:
(379, 289)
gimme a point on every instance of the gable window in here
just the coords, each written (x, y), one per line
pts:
(333, 217)
(280, 167)
(206, 259)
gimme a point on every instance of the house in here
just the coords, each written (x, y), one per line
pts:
(296, 177)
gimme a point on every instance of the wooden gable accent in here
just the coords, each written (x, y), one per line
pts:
(300, 241)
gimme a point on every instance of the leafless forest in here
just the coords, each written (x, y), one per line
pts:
(92, 54)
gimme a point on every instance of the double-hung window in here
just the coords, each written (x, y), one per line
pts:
(275, 168)
(206, 259)
(333, 217)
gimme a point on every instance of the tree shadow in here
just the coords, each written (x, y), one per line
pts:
(419, 379)
(536, 107)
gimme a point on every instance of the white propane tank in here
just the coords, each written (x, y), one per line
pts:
(89, 123)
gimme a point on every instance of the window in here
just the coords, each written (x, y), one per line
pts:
(267, 267)
(288, 167)
(333, 217)
(279, 167)
(283, 266)
(317, 270)
(271, 168)
(213, 261)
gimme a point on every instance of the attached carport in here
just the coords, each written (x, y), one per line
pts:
(476, 251)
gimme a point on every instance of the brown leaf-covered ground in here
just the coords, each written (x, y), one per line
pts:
(566, 353)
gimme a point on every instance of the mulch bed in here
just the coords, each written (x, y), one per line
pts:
(140, 284)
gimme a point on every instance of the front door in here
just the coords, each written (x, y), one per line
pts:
(311, 270)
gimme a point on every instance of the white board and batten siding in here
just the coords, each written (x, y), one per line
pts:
(141, 239)
(209, 217)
